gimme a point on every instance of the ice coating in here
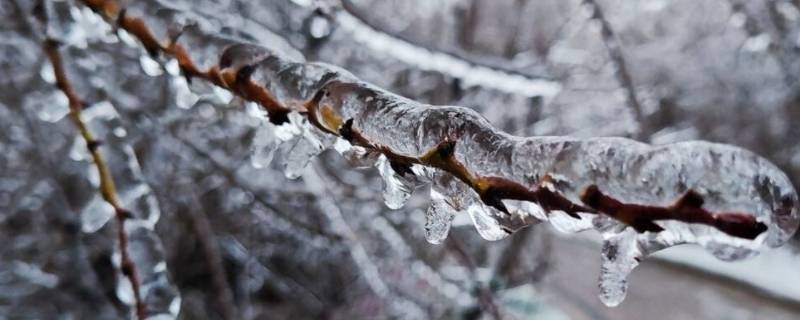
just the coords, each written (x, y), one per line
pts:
(729, 179)
(159, 294)
(710, 178)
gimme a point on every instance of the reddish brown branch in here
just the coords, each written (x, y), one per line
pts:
(107, 188)
(237, 63)
(687, 209)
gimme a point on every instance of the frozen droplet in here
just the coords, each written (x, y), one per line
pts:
(150, 66)
(125, 291)
(173, 67)
(438, 218)
(356, 156)
(264, 145)
(484, 219)
(303, 148)
(222, 95)
(78, 151)
(95, 215)
(120, 132)
(184, 97)
(50, 107)
(47, 73)
(396, 189)
(319, 27)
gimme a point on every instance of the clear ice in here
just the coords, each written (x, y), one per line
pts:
(730, 179)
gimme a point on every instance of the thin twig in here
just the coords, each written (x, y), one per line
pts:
(107, 187)
(205, 236)
(614, 47)
(485, 295)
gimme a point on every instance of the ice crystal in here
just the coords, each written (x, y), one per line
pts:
(138, 199)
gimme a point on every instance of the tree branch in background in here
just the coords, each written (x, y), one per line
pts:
(614, 48)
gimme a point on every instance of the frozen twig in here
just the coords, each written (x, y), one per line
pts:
(322, 102)
(642, 198)
(107, 188)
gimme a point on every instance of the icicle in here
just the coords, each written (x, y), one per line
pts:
(438, 219)
(303, 148)
(620, 256)
(185, 98)
(265, 142)
(396, 188)
(158, 294)
(483, 218)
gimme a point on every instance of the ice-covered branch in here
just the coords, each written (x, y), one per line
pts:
(724, 198)
(617, 57)
(107, 188)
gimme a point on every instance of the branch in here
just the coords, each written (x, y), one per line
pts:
(107, 188)
(614, 48)
(549, 171)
